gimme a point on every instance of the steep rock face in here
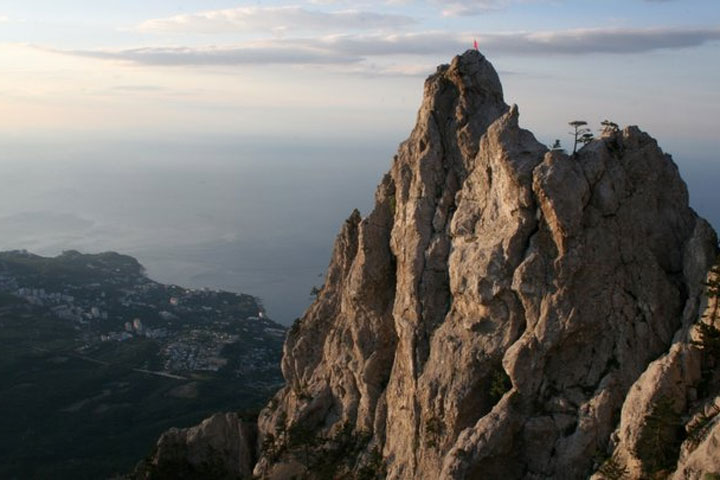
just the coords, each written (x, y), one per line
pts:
(338, 361)
(489, 317)
(614, 269)
(672, 411)
(222, 446)
(503, 312)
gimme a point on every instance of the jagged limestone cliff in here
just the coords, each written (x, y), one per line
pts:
(504, 312)
(487, 256)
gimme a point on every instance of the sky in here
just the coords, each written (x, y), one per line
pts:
(319, 68)
(223, 142)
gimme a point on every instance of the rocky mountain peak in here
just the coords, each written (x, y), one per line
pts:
(460, 101)
(504, 311)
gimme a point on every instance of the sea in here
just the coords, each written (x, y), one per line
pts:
(256, 216)
(251, 215)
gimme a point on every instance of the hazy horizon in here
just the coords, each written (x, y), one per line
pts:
(257, 217)
(223, 142)
(217, 215)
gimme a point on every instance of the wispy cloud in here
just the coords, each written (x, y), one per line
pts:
(350, 49)
(452, 8)
(139, 88)
(600, 40)
(374, 70)
(449, 8)
(263, 53)
(460, 8)
(566, 42)
(275, 19)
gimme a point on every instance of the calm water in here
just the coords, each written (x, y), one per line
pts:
(253, 217)
(256, 216)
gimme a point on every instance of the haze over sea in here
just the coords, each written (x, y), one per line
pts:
(250, 215)
(223, 142)
(243, 215)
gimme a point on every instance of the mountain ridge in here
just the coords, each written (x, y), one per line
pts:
(490, 315)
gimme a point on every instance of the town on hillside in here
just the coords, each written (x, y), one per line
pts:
(108, 298)
(97, 357)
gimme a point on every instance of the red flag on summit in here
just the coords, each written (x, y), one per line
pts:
(475, 45)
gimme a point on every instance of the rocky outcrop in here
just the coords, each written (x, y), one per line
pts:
(221, 447)
(670, 419)
(491, 314)
(505, 312)
(700, 454)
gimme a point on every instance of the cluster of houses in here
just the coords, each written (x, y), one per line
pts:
(194, 346)
(197, 350)
(61, 304)
(134, 329)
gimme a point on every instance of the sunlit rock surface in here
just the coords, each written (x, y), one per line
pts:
(504, 311)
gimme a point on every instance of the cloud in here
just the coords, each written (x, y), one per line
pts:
(374, 70)
(567, 42)
(455, 8)
(394, 44)
(276, 19)
(602, 40)
(352, 49)
(264, 53)
(139, 88)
